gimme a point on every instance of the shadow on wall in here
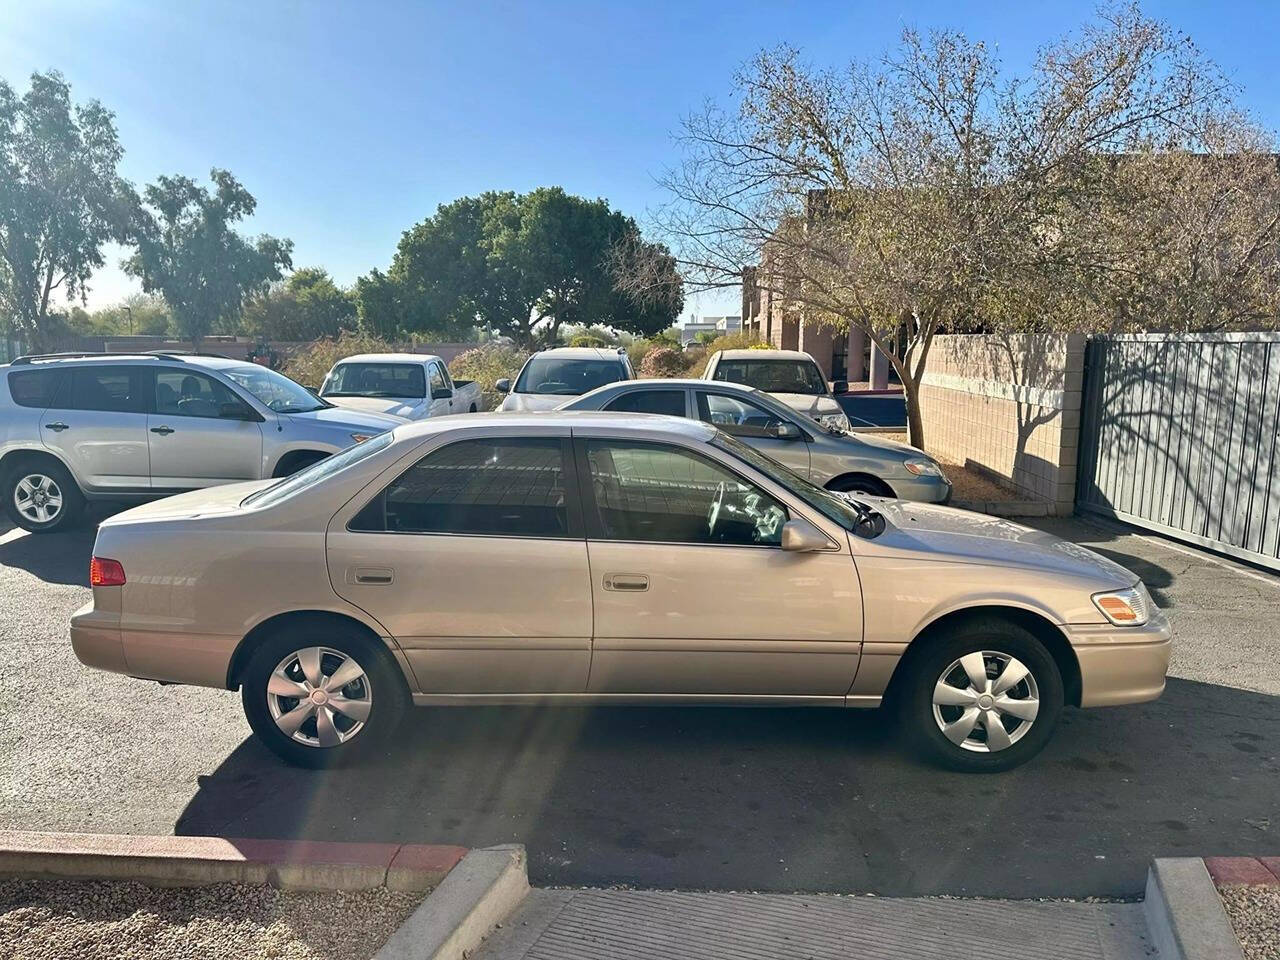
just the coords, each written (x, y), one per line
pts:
(1182, 431)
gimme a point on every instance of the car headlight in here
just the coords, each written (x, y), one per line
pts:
(1125, 608)
(923, 468)
(361, 437)
(837, 421)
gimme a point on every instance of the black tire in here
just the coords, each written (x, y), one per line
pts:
(473, 409)
(386, 692)
(291, 463)
(50, 472)
(931, 664)
(868, 485)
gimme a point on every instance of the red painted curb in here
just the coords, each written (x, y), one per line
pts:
(1242, 870)
(298, 864)
(1272, 864)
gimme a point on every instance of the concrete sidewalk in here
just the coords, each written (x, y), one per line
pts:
(654, 925)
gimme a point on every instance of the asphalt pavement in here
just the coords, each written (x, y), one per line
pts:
(682, 798)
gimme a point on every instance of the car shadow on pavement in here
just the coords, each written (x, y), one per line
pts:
(51, 557)
(786, 800)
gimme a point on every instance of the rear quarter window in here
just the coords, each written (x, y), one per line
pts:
(33, 388)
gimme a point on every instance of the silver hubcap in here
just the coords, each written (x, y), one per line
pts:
(986, 701)
(319, 696)
(38, 498)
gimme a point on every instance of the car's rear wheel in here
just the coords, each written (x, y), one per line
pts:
(42, 497)
(984, 697)
(320, 693)
(860, 484)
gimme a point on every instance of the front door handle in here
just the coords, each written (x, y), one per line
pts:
(162, 430)
(628, 582)
(373, 576)
(57, 426)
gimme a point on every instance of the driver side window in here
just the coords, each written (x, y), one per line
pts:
(650, 492)
(738, 416)
(180, 393)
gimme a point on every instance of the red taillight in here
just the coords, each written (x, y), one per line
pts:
(105, 573)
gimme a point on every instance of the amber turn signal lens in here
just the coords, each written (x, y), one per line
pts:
(105, 573)
(1117, 608)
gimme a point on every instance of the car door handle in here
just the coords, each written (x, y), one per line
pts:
(57, 426)
(162, 430)
(373, 576)
(630, 582)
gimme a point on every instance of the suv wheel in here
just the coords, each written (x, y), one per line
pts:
(42, 497)
(320, 694)
(984, 698)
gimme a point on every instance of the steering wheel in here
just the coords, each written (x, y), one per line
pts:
(714, 513)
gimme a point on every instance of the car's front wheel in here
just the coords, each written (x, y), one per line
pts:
(319, 693)
(42, 497)
(982, 698)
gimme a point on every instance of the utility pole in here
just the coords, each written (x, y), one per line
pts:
(129, 310)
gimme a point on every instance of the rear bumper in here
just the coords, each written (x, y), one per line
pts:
(95, 639)
(1121, 665)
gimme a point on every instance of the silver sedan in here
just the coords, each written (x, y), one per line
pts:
(830, 457)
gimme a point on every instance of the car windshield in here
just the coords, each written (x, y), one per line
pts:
(844, 510)
(275, 390)
(774, 376)
(568, 376)
(317, 472)
(405, 380)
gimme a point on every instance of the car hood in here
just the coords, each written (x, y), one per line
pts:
(404, 407)
(534, 402)
(808, 403)
(960, 536)
(209, 501)
(341, 418)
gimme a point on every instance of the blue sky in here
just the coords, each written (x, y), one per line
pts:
(351, 121)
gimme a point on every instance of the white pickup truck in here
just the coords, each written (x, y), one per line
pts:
(790, 375)
(410, 385)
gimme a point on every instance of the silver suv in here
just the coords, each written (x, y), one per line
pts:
(114, 427)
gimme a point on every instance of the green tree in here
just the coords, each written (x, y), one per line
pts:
(306, 306)
(188, 252)
(61, 198)
(522, 265)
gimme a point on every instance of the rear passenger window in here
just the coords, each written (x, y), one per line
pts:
(111, 389)
(504, 487)
(667, 402)
(33, 388)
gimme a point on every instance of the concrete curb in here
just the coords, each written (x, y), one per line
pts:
(1005, 508)
(471, 901)
(188, 861)
(1184, 913)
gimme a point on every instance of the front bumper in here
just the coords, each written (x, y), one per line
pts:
(1121, 665)
(922, 489)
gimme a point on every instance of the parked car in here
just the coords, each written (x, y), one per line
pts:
(549, 376)
(446, 562)
(115, 427)
(410, 385)
(790, 375)
(823, 454)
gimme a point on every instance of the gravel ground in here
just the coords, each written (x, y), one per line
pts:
(52, 920)
(1255, 916)
(969, 484)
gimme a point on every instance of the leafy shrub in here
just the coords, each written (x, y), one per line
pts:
(587, 340)
(310, 366)
(664, 362)
(487, 364)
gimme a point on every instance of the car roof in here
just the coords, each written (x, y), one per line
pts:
(581, 353)
(749, 354)
(641, 383)
(38, 361)
(388, 358)
(646, 424)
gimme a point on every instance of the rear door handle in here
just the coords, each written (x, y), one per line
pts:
(629, 582)
(373, 576)
(162, 430)
(57, 426)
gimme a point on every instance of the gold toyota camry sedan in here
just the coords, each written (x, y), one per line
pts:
(607, 558)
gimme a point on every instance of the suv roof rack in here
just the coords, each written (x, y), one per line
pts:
(175, 354)
(66, 355)
(27, 358)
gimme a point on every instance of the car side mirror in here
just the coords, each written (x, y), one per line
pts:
(786, 431)
(236, 411)
(801, 536)
(441, 393)
(502, 385)
(840, 386)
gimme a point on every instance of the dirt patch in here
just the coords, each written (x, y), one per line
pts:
(1254, 912)
(969, 484)
(102, 920)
